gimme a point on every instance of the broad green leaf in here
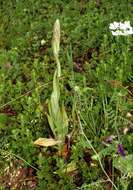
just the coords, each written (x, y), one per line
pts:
(55, 96)
(52, 126)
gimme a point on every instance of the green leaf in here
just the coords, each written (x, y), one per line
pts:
(3, 119)
(55, 96)
(52, 126)
(125, 165)
(105, 152)
(64, 116)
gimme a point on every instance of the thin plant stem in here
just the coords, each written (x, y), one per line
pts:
(20, 158)
(93, 184)
(101, 165)
(21, 96)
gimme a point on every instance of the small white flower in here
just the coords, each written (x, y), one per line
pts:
(116, 33)
(43, 42)
(129, 115)
(121, 29)
(127, 24)
(114, 25)
(77, 89)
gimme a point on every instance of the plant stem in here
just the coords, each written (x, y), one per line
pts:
(82, 132)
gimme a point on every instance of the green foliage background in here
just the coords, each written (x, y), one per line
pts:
(26, 74)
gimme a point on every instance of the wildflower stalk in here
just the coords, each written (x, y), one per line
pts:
(57, 116)
(56, 45)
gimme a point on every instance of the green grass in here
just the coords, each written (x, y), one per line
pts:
(96, 93)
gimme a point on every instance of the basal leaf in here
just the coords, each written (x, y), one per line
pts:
(51, 123)
(47, 142)
(55, 96)
(125, 165)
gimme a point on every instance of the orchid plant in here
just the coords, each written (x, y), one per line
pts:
(57, 116)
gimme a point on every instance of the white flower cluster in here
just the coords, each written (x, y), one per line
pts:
(121, 29)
